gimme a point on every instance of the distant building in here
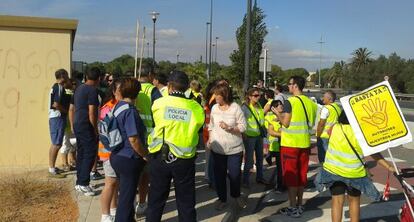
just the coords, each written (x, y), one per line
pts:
(31, 50)
(310, 80)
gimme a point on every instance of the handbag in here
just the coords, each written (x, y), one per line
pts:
(263, 131)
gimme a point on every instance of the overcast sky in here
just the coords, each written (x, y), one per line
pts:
(107, 28)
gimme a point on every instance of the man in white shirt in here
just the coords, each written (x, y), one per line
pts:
(328, 117)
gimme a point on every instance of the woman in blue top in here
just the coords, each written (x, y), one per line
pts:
(128, 161)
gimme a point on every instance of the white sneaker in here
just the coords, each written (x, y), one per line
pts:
(86, 190)
(140, 209)
(107, 218)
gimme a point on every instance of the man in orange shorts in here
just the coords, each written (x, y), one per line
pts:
(297, 119)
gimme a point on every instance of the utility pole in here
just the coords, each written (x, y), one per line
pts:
(215, 57)
(178, 55)
(148, 49)
(320, 61)
(211, 36)
(247, 48)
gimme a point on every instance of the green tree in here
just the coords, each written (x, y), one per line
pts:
(258, 33)
(361, 57)
(286, 74)
(99, 65)
(335, 75)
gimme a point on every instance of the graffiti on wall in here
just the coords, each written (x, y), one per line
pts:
(25, 80)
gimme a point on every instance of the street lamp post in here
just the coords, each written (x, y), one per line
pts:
(207, 24)
(215, 56)
(154, 19)
(211, 36)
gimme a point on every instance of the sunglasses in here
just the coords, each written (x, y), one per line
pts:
(109, 80)
(256, 95)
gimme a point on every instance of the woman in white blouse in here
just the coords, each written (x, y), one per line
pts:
(227, 123)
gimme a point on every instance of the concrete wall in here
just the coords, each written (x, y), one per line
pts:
(28, 59)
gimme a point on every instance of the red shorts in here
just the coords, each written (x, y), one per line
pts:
(295, 162)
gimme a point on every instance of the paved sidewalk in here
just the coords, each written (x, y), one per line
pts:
(263, 204)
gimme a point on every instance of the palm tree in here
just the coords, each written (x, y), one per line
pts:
(336, 73)
(361, 57)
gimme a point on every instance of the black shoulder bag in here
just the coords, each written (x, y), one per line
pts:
(263, 131)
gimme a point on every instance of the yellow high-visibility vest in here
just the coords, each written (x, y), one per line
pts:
(298, 133)
(334, 112)
(179, 119)
(143, 104)
(340, 159)
(271, 119)
(252, 129)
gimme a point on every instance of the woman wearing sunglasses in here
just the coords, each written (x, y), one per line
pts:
(253, 136)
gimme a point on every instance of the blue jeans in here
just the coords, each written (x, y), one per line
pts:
(253, 144)
(322, 144)
(227, 165)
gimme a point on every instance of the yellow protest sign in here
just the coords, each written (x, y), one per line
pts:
(376, 118)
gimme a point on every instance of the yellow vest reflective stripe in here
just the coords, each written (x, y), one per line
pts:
(298, 133)
(143, 104)
(334, 112)
(340, 159)
(180, 119)
(252, 128)
(270, 119)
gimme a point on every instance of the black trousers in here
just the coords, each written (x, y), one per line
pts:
(227, 165)
(128, 171)
(87, 151)
(161, 173)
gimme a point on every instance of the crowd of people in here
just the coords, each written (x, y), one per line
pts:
(163, 119)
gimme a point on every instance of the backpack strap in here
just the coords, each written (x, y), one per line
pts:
(116, 111)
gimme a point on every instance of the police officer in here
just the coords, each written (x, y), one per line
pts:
(173, 147)
(328, 117)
